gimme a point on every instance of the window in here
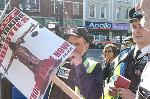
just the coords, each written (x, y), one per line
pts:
(126, 14)
(52, 7)
(92, 9)
(103, 11)
(3, 3)
(30, 5)
(76, 9)
(118, 13)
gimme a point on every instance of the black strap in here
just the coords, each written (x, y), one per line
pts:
(143, 93)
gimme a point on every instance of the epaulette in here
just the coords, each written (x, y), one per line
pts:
(148, 55)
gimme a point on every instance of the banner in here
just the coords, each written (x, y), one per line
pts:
(29, 53)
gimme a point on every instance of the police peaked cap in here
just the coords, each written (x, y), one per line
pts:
(129, 38)
(133, 15)
(80, 31)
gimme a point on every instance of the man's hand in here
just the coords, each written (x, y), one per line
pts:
(125, 93)
(75, 59)
(112, 91)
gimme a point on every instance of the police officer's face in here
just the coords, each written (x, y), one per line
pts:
(80, 43)
(140, 32)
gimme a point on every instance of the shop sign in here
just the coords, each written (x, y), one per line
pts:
(120, 26)
(99, 25)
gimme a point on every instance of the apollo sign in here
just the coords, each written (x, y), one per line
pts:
(99, 25)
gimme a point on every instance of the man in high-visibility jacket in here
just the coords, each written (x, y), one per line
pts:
(81, 74)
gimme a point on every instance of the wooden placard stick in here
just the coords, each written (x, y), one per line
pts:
(64, 87)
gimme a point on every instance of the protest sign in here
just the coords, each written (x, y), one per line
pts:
(29, 53)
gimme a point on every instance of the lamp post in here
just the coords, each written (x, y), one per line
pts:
(59, 12)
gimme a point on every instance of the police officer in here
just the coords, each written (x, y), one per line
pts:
(134, 62)
(141, 37)
(144, 87)
(81, 74)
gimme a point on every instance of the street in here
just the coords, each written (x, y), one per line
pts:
(95, 54)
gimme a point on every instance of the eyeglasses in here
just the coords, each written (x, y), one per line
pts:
(108, 51)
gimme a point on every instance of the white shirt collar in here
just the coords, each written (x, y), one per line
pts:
(144, 50)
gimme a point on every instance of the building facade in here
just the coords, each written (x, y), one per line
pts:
(47, 11)
(107, 19)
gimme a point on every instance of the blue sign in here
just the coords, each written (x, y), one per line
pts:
(99, 25)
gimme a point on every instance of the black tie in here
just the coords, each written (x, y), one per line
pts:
(137, 54)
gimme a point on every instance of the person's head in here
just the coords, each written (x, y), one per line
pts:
(140, 32)
(110, 51)
(143, 6)
(80, 38)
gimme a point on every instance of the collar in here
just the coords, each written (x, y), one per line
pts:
(144, 50)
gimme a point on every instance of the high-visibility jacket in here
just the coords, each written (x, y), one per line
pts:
(91, 68)
(89, 64)
(118, 67)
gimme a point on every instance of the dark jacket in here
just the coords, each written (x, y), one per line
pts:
(90, 84)
(129, 68)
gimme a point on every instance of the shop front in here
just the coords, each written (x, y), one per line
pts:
(106, 32)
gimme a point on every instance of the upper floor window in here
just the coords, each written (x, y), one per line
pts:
(92, 10)
(118, 13)
(127, 14)
(52, 7)
(3, 3)
(103, 11)
(76, 9)
(30, 5)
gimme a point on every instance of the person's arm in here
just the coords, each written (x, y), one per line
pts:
(106, 71)
(89, 83)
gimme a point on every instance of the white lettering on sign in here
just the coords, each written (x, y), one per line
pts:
(100, 25)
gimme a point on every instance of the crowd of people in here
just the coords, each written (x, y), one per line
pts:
(86, 76)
